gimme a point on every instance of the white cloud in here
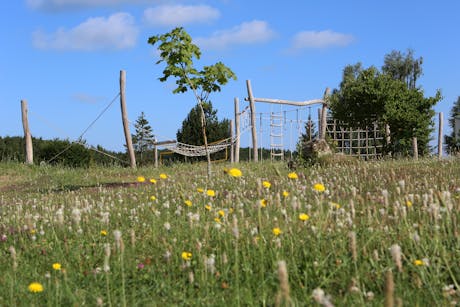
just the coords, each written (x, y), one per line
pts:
(59, 5)
(118, 31)
(177, 15)
(252, 32)
(320, 39)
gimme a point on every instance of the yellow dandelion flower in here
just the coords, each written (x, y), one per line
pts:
(221, 212)
(292, 175)
(207, 207)
(303, 216)
(211, 193)
(234, 172)
(335, 205)
(285, 193)
(319, 187)
(141, 179)
(56, 266)
(103, 232)
(153, 198)
(418, 262)
(32, 231)
(266, 184)
(188, 203)
(217, 220)
(35, 287)
(186, 256)
(163, 176)
(152, 180)
(408, 203)
(276, 231)
(263, 203)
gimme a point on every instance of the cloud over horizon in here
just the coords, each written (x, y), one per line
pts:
(177, 15)
(252, 32)
(320, 40)
(118, 31)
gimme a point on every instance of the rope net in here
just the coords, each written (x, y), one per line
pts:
(196, 150)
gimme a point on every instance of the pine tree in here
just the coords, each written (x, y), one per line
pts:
(143, 139)
(452, 140)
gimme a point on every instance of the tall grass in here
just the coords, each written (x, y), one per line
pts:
(122, 242)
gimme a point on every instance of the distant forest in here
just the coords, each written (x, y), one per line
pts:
(70, 154)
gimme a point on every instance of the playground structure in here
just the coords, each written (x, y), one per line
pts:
(366, 143)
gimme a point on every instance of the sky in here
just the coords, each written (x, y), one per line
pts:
(64, 58)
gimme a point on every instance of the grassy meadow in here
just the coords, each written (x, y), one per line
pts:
(357, 234)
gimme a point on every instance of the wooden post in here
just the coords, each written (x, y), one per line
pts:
(252, 107)
(415, 147)
(324, 114)
(27, 135)
(232, 153)
(319, 123)
(387, 138)
(237, 131)
(441, 120)
(124, 117)
(156, 155)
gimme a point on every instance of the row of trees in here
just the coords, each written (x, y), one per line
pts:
(62, 152)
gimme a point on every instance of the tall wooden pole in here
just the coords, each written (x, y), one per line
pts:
(27, 135)
(252, 107)
(237, 131)
(124, 117)
(441, 120)
(324, 114)
(232, 150)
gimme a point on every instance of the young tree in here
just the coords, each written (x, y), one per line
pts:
(178, 52)
(452, 140)
(143, 139)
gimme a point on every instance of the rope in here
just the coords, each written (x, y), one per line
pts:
(86, 130)
(99, 116)
(101, 152)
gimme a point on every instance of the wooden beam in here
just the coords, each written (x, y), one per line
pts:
(164, 142)
(288, 102)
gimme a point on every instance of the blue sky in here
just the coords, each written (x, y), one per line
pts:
(64, 57)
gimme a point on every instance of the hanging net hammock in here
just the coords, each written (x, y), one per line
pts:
(197, 151)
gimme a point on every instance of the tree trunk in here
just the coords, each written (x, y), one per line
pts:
(203, 129)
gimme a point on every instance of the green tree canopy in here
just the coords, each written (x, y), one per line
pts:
(216, 130)
(403, 67)
(367, 95)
